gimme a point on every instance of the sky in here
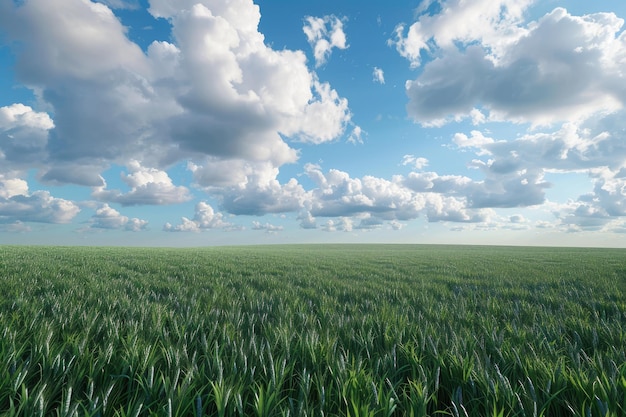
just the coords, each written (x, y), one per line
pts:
(224, 122)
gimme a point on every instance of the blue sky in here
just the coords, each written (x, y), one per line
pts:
(210, 122)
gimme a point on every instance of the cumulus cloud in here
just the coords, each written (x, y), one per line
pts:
(475, 140)
(369, 201)
(492, 22)
(64, 63)
(23, 135)
(599, 209)
(572, 147)
(514, 170)
(258, 198)
(10, 187)
(434, 183)
(561, 67)
(457, 194)
(342, 224)
(369, 222)
(307, 221)
(18, 115)
(339, 195)
(205, 219)
(324, 119)
(215, 89)
(260, 193)
(18, 204)
(508, 189)
(579, 216)
(217, 172)
(107, 217)
(324, 34)
(248, 189)
(416, 162)
(267, 227)
(609, 192)
(147, 186)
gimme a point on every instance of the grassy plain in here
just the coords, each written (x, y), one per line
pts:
(347, 330)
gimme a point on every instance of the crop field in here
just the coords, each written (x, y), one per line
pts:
(312, 330)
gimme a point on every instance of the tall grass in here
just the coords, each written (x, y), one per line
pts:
(312, 331)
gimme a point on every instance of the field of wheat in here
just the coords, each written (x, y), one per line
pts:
(312, 330)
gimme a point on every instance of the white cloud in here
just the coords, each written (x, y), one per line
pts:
(10, 187)
(457, 194)
(416, 162)
(23, 136)
(378, 75)
(78, 52)
(205, 218)
(494, 23)
(324, 119)
(338, 195)
(248, 189)
(477, 117)
(505, 187)
(147, 186)
(267, 227)
(342, 224)
(475, 140)
(19, 115)
(369, 222)
(370, 200)
(258, 197)
(107, 217)
(560, 68)
(77, 58)
(571, 148)
(578, 216)
(324, 34)
(307, 221)
(431, 182)
(598, 209)
(19, 205)
(217, 172)
(216, 90)
(355, 135)
(515, 169)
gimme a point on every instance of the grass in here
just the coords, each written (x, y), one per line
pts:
(348, 330)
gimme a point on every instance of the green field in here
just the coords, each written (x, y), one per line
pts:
(347, 330)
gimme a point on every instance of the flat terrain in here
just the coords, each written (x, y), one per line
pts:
(349, 330)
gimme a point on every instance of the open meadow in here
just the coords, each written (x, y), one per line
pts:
(312, 330)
